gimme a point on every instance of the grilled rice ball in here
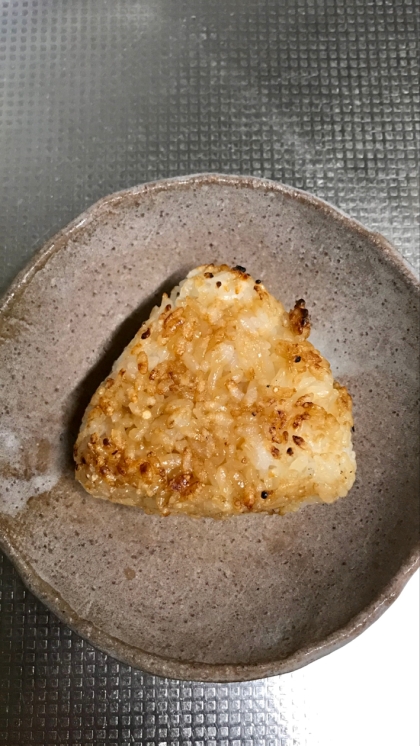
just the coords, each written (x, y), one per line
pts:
(219, 406)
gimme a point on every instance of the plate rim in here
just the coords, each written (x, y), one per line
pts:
(206, 672)
(129, 654)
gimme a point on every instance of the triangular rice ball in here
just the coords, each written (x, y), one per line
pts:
(219, 406)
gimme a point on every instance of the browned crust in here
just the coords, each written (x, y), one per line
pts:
(107, 461)
(299, 319)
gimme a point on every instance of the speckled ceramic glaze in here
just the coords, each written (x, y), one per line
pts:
(200, 599)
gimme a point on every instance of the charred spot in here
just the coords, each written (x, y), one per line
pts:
(83, 460)
(290, 451)
(285, 436)
(218, 284)
(105, 441)
(299, 319)
(144, 467)
(146, 334)
(275, 452)
(239, 268)
(275, 428)
(299, 419)
(109, 382)
(258, 282)
(275, 435)
(180, 482)
(264, 494)
(168, 307)
(184, 483)
(298, 440)
(209, 275)
(298, 359)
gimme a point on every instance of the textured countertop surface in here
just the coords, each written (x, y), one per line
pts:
(97, 96)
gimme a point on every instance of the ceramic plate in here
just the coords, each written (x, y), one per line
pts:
(250, 596)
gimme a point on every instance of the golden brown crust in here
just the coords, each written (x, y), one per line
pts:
(299, 319)
(206, 411)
